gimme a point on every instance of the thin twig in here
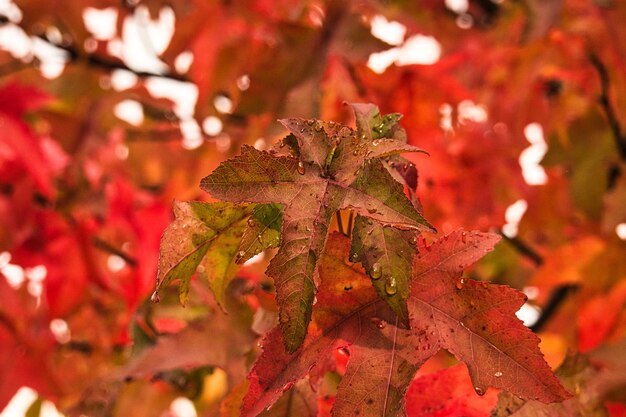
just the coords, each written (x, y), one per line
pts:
(558, 296)
(524, 249)
(107, 247)
(605, 102)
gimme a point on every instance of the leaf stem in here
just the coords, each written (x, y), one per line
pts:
(350, 221)
(340, 223)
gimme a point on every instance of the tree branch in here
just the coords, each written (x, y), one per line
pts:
(107, 247)
(523, 249)
(605, 102)
(557, 298)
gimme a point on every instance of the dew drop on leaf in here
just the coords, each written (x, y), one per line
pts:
(390, 286)
(155, 297)
(498, 374)
(459, 283)
(301, 169)
(354, 257)
(240, 257)
(343, 351)
(413, 240)
(251, 222)
(376, 271)
(464, 237)
(479, 391)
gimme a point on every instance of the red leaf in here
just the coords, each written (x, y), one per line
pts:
(448, 392)
(476, 321)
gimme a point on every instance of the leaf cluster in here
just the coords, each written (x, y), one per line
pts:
(383, 297)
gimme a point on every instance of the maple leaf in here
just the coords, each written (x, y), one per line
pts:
(209, 341)
(447, 392)
(385, 253)
(476, 321)
(202, 231)
(349, 316)
(384, 357)
(335, 171)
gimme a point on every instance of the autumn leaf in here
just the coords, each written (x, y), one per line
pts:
(312, 188)
(200, 231)
(349, 316)
(448, 392)
(476, 321)
(210, 341)
(594, 378)
(387, 254)
(263, 231)
(445, 311)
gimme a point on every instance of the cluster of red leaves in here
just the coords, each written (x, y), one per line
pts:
(88, 197)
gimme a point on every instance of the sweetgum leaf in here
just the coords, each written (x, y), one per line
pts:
(476, 321)
(300, 400)
(339, 150)
(263, 231)
(383, 358)
(202, 230)
(387, 255)
(207, 342)
(310, 200)
(448, 392)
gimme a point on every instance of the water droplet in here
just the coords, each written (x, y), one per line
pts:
(376, 271)
(464, 237)
(281, 144)
(155, 297)
(390, 286)
(331, 124)
(376, 142)
(413, 240)
(354, 257)
(240, 257)
(260, 238)
(498, 374)
(319, 127)
(302, 130)
(310, 122)
(479, 391)
(459, 283)
(251, 222)
(355, 152)
(301, 169)
(343, 351)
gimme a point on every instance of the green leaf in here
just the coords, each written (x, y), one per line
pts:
(387, 256)
(263, 231)
(202, 230)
